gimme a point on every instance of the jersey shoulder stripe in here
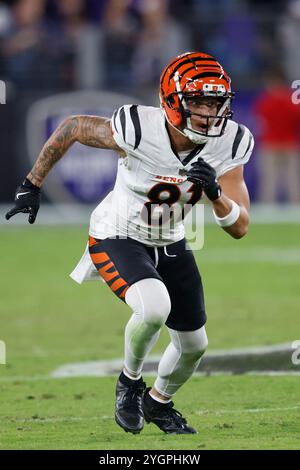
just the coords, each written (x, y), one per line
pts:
(123, 122)
(136, 124)
(242, 142)
(114, 120)
(237, 145)
(126, 126)
(250, 143)
(237, 140)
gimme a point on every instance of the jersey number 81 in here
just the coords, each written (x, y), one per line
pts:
(162, 196)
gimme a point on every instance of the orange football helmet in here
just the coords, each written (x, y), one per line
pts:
(195, 74)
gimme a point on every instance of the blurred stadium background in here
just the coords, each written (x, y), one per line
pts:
(74, 56)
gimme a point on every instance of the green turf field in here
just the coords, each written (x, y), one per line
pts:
(252, 297)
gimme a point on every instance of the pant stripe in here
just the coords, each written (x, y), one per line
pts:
(107, 269)
(117, 284)
(123, 293)
(92, 241)
(99, 257)
(106, 275)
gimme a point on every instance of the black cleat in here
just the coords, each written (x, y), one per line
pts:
(165, 417)
(129, 413)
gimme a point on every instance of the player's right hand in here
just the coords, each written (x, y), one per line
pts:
(27, 200)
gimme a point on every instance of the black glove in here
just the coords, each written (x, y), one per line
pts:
(204, 175)
(27, 200)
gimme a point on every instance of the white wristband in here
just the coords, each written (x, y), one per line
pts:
(230, 218)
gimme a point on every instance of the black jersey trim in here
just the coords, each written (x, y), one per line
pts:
(114, 120)
(123, 122)
(249, 144)
(136, 124)
(237, 140)
(191, 155)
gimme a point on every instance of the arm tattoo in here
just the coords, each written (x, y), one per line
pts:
(62, 138)
(88, 130)
(96, 132)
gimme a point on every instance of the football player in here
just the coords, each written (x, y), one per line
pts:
(170, 156)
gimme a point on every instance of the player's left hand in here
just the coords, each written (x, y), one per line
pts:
(205, 176)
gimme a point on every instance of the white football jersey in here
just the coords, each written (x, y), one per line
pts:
(151, 188)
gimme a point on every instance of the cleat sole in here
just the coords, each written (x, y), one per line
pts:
(132, 431)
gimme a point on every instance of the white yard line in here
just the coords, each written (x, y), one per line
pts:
(44, 378)
(248, 410)
(112, 367)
